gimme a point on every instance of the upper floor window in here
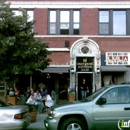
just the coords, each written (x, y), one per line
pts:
(29, 13)
(114, 22)
(64, 22)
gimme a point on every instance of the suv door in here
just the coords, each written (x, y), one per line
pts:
(109, 116)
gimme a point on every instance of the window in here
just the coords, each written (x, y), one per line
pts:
(114, 22)
(117, 95)
(64, 22)
(29, 13)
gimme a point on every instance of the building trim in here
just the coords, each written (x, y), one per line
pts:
(80, 36)
(57, 49)
(68, 4)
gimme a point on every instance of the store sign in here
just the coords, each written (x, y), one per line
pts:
(84, 64)
(117, 58)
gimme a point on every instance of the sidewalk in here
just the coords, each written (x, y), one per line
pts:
(39, 124)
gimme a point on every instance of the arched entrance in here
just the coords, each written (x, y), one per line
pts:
(85, 62)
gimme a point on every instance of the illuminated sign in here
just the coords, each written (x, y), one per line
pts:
(84, 64)
(117, 58)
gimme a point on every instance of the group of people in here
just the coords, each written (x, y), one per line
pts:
(41, 98)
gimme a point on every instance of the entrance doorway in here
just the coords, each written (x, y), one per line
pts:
(89, 80)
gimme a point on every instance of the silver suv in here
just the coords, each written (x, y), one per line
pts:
(106, 109)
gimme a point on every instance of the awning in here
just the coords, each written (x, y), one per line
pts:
(114, 68)
(55, 70)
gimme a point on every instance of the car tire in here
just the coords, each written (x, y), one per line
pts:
(73, 123)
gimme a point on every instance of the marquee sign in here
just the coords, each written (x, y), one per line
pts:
(117, 58)
(84, 64)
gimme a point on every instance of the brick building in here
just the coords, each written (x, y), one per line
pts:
(89, 39)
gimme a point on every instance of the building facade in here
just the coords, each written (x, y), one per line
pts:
(89, 39)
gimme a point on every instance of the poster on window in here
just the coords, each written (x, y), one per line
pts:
(117, 58)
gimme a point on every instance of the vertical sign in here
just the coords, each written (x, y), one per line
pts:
(84, 64)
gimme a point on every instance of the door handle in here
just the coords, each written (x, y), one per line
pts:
(127, 108)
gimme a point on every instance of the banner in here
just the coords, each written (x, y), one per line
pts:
(117, 58)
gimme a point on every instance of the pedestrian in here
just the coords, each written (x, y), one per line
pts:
(53, 96)
(84, 89)
(48, 101)
(17, 93)
(41, 86)
(27, 93)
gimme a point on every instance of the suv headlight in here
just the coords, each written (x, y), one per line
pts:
(51, 112)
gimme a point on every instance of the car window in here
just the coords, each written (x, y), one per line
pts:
(95, 94)
(117, 95)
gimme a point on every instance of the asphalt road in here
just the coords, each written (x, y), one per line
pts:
(39, 124)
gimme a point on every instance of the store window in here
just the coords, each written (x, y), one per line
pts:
(114, 22)
(64, 22)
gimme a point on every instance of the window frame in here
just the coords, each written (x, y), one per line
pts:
(111, 21)
(118, 89)
(71, 22)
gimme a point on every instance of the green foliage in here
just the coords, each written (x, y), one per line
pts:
(20, 52)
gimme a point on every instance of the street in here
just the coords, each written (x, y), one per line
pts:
(39, 124)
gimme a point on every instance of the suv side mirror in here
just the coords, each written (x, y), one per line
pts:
(101, 101)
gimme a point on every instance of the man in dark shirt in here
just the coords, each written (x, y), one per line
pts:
(84, 89)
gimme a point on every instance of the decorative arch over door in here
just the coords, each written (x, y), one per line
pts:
(84, 48)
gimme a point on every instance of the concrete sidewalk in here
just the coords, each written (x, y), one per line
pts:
(39, 124)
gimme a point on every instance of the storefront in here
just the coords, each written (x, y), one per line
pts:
(85, 63)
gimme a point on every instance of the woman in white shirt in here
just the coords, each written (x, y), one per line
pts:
(48, 101)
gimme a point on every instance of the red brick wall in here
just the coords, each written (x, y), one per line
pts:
(105, 44)
(60, 58)
(89, 21)
(59, 42)
(113, 44)
(41, 18)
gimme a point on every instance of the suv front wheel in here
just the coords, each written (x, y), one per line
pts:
(73, 124)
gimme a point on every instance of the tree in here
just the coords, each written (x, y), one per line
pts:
(20, 52)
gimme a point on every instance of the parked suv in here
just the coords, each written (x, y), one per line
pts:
(106, 109)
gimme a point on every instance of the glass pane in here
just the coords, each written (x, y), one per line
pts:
(64, 26)
(76, 26)
(52, 28)
(64, 16)
(103, 29)
(30, 15)
(52, 16)
(119, 22)
(17, 12)
(64, 31)
(103, 16)
(76, 31)
(76, 16)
